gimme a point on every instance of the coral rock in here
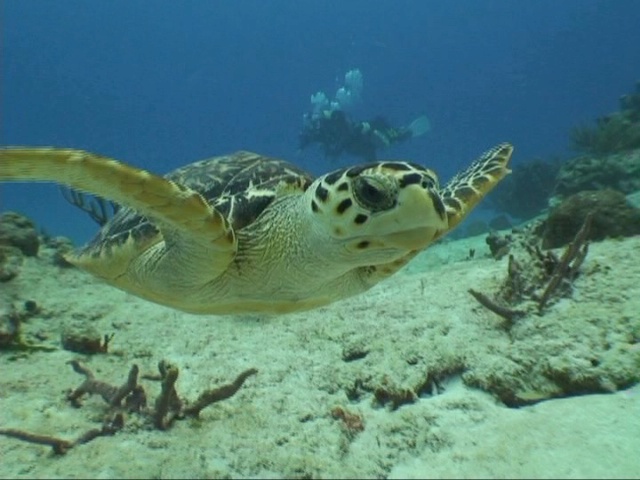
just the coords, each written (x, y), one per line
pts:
(18, 231)
(619, 171)
(613, 216)
(10, 262)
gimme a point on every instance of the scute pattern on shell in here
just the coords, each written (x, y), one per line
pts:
(240, 186)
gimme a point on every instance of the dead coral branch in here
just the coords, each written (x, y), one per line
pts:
(536, 271)
(110, 394)
(168, 406)
(214, 395)
(61, 446)
(509, 314)
(570, 262)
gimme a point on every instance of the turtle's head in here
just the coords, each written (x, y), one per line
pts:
(378, 212)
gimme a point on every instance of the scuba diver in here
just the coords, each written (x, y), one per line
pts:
(337, 134)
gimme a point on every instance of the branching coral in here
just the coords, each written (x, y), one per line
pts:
(539, 280)
(131, 397)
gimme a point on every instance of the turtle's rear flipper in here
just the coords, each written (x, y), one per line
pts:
(175, 209)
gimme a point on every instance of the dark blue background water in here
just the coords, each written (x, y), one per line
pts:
(162, 83)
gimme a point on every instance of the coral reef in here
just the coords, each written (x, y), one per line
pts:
(611, 153)
(19, 239)
(20, 232)
(612, 217)
(10, 261)
(619, 171)
(612, 134)
(611, 159)
(57, 248)
(617, 132)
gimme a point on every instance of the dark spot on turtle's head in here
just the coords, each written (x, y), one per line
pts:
(358, 169)
(344, 205)
(306, 183)
(344, 186)
(360, 219)
(314, 206)
(437, 204)
(322, 193)
(399, 166)
(410, 179)
(427, 183)
(333, 177)
(363, 244)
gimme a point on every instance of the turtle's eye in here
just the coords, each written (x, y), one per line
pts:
(374, 194)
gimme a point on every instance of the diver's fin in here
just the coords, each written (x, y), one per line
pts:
(419, 126)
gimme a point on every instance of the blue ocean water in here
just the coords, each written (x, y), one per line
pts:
(162, 83)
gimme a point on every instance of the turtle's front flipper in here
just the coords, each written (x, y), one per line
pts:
(465, 190)
(169, 205)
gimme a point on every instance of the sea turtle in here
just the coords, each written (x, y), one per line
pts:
(248, 233)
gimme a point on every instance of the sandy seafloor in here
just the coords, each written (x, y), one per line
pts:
(420, 324)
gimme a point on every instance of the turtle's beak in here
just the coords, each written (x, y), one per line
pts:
(415, 239)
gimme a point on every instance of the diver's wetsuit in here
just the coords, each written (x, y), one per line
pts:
(337, 135)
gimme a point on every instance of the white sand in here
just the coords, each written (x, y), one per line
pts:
(420, 324)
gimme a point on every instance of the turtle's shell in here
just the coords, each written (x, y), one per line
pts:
(240, 186)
